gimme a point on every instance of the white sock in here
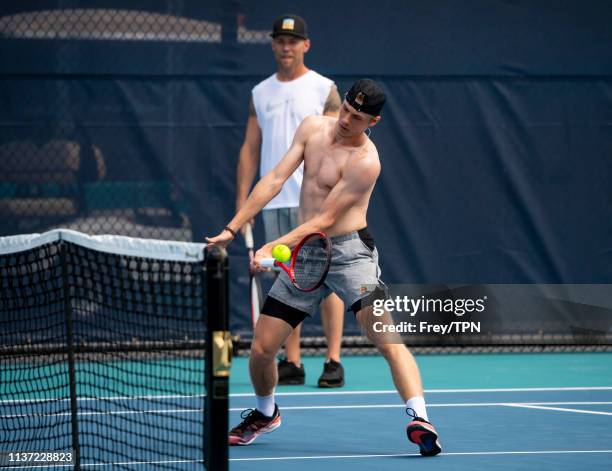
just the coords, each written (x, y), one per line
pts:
(265, 404)
(417, 403)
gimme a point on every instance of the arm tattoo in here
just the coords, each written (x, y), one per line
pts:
(332, 104)
(252, 108)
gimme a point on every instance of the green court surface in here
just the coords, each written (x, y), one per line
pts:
(500, 370)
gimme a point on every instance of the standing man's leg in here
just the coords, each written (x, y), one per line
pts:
(292, 349)
(332, 318)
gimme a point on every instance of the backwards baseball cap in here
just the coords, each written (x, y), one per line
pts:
(366, 96)
(290, 24)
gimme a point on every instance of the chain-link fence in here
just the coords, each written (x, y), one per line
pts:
(127, 118)
(360, 345)
(50, 178)
(86, 147)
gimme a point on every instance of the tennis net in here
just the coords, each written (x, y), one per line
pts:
(102, 347)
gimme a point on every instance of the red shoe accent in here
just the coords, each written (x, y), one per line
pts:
(424, 435)
(253, 425)
(415, 436)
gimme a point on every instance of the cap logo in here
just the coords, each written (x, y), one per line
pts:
(360, 98)
(288, 23)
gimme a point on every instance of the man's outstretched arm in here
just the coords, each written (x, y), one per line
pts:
(269, 185)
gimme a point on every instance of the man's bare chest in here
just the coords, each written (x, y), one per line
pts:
(324, 165)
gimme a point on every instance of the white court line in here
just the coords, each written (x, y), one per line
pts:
(443, 454)
(102, 465)
(106, 398)
(430, 391)
(117, 412)
(561, 409)
(316, 393)
(471, 404)
(350, 406)
(324, 457)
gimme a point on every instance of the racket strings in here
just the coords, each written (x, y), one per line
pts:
(312, 262)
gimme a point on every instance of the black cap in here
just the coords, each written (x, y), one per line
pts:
(290, 24)
(366, 96)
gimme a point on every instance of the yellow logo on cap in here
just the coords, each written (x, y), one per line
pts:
(288, 23)
(359, 99)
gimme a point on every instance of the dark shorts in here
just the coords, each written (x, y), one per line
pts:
(354, 275)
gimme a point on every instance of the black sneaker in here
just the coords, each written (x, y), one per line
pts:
(289, 374)
(254, 423)
(333, 375)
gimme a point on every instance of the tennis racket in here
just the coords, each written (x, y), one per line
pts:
(254, 283)
(309, 263)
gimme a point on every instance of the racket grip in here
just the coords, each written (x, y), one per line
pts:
(267, 262)
(248, 235)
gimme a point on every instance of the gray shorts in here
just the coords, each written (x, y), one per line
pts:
(278, 222)
(354, 270)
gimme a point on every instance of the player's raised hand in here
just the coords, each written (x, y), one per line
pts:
(222, 239)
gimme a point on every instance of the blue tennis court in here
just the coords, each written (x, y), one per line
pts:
(546, 421)
(493, 411)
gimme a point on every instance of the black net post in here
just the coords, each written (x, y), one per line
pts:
(76, 451)
(218, 360)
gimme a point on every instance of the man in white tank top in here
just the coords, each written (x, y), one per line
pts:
(278, 105)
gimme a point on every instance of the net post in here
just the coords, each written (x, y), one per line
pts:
(76, 455)
(218, 360)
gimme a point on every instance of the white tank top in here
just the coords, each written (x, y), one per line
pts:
(280, 108)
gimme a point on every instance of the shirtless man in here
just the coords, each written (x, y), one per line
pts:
(341, 166)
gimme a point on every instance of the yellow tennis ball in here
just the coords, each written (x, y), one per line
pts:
(282, 253)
